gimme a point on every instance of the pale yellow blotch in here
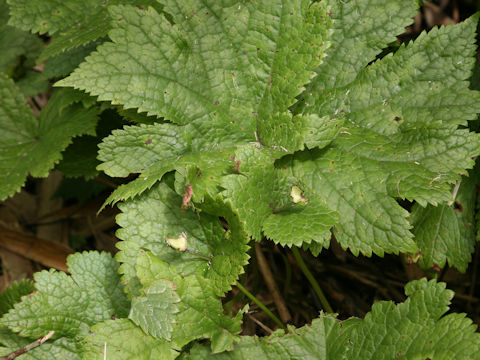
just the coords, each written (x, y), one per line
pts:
(296, 193)
(179, 243)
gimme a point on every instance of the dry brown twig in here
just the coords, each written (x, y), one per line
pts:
(272, 285)
(28, 347)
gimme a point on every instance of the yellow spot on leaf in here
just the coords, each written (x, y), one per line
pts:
(296, 194)
(179, 243)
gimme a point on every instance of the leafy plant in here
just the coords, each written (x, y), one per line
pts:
(277, 119)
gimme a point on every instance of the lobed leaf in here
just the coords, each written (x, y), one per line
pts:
(148, 220)
(413, 329)
(370, 220)
(69, 305)
(33, 146)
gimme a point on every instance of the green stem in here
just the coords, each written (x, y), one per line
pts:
(312, 280)
(260, 305)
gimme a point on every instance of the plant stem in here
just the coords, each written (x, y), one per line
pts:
(260, 305)
(312, 280)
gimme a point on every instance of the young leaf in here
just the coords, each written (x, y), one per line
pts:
(301, 224)
(69, 305)
(30, 145)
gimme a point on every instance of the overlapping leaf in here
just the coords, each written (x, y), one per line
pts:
(150, 219)
(198, 309)
(124, 340)
(308, 342)
(9, 341)
(219, 74)
(403, 111)
(400, 139)
(72, 23)
(413, 329)
(370, 220)
(258, 185)
(69, 305)
(446, 232)
(30, 145)
(14, 42)
(60, 349)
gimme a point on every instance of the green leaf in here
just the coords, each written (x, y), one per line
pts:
(13, 293)
(59, 349)
(301, 224)
(397, 141)
(234, 101)
(446, 232)
(123, 340)
(308, 342)
(156, 215)
(199, 309)
(361, 29)
(87, 33)
(258, 185)
(257, 66)
(154, 309)
(64, 63)
(156, 149)
(71, 304)
(49, 16)
(370, 220)
(414, 329)
(79, 158)
(33, 146)
(418, 164)
(14, 42)
(403, 111)
(33, 83)
(72, 23)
